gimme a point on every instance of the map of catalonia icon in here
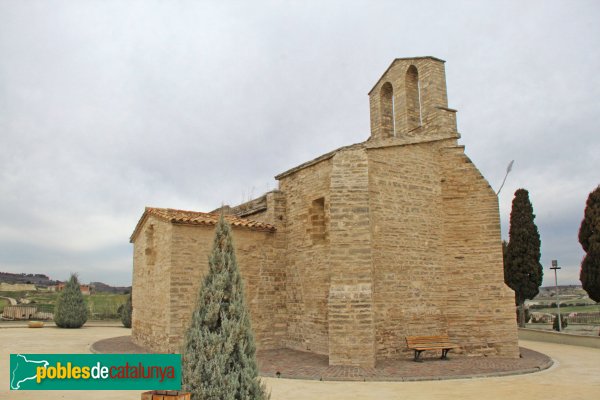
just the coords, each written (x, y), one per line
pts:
(23, 370)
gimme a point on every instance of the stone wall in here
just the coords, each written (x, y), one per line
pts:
(19, 312)
(151, 285)
(351, 319)
(410, 280)
(307, 261)
(163, 307)
(480, 307)
(261, 270)
(436, 251)
(190, 252)
(17, 287)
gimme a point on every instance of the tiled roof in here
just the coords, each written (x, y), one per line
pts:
(197, 218)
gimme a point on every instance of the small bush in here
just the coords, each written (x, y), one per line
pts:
(70, 310)
(563, 321)
(126, 310)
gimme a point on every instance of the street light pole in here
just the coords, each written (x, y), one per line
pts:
(555, 267)
(508, 169)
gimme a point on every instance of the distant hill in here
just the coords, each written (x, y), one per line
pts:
(36, 279)
(564, 291)
(100, 287)
(42, 280)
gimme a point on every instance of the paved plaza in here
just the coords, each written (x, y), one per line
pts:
(287, 363)
(574, 375)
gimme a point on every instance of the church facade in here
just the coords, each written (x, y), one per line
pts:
(357, 249)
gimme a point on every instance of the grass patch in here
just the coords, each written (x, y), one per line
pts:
(105, 305)
(3, 303)
(569, 309)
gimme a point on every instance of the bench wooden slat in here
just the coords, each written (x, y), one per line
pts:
(422, 343)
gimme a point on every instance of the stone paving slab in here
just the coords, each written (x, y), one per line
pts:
(293, 364)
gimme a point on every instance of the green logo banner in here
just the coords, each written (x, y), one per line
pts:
(95, 372)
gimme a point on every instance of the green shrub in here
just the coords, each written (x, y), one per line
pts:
(126, 310)
(70, 310)
(563, 321)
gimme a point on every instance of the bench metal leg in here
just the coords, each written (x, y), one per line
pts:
(418, 355)
(445, 354)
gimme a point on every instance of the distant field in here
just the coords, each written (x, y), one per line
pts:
(105, 306)
(572, 299)
(100, 305)
(3, 302)
(569, 309)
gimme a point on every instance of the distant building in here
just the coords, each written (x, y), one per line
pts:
(85, 289)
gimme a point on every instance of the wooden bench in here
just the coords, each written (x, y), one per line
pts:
(421, 343)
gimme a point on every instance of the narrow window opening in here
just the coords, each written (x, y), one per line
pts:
(413, 98)
(150, 250)
(318, 227)
(387, 110)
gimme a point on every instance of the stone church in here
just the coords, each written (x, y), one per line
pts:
(398, 235)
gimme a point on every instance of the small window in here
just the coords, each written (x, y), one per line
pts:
(318, 231)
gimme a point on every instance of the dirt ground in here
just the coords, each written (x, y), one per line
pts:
(575, 375)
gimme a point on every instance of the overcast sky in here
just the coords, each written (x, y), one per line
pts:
(110, 106)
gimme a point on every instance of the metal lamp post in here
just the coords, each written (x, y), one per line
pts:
(555, 267)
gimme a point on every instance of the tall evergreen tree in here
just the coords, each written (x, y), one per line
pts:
(523, 272)
(589, 237)
(218, 352)
(70, 310)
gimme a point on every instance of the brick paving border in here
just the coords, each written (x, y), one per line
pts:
(293, 364)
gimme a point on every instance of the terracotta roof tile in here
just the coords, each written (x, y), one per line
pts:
(197, 218)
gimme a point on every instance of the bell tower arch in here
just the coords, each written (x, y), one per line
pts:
(410, 101)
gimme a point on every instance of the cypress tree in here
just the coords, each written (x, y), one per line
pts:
(589, 237)
(218, 355)
(126, 310)
(70, 310)
(523, 272)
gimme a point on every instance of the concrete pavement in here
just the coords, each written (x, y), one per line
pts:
(575, 375)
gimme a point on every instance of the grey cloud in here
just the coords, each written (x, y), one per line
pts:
(106, 107)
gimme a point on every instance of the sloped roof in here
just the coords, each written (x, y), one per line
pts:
(183, 217)
(323, 157)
